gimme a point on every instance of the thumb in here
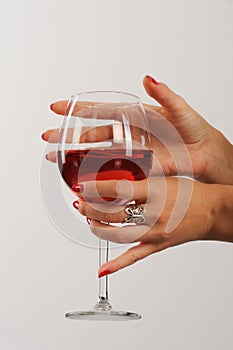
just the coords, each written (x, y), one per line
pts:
(131, 256)
(190, 125)
(167, 98)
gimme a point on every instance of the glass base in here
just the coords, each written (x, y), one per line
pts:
(111, 315)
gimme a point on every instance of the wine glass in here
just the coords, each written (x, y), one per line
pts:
(104, 137)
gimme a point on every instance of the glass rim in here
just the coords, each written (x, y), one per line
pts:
(135, 100)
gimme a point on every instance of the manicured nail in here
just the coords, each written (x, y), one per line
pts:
(43, 136)
(152, 80)
(88, 221)
(104, 273)
(76, 204)
(51, 106)
(78, 188)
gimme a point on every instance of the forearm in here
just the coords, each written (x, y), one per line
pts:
(222, 229)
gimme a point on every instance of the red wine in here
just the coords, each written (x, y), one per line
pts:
(105, 164)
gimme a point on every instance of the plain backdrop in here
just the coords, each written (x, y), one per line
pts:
(51, 49)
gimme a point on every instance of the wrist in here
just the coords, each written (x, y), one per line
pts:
(222, 214)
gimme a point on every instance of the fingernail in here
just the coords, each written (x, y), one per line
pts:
(76, 204)
(51, 106)
(152, 80)
(43, 136)
(88, 221)
(47, 156)
(78, 188)
(104, 273)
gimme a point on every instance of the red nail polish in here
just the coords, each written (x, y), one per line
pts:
(76, 204)
(152, 80)
(88, 221)
(43, 136)
(78, 188)
(104, 273)
(51, 106)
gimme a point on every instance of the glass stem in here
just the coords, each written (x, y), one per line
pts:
(103, 302)
(103, 257)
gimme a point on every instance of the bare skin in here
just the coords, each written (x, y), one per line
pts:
(207, 216)
(209, 212)
(209, 150)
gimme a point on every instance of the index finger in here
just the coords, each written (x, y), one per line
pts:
(59, 107)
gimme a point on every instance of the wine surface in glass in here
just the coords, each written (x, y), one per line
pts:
(105, 164)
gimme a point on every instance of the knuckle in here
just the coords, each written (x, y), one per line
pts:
(164, 236)
(133, 259)
(164, 100)
(180, 101)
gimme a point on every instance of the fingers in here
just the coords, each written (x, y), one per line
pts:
(120, 113)
(118, 234)
(101, 212)
(51, 156)
(165, 96)
(51, 136)
(124, 189)
(104, 213)
(60, 107)
(104, 111)
(88, 134)
(130, 257)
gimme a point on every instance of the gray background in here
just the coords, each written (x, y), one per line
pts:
(51, 49)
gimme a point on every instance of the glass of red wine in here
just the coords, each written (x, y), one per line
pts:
(104, 137)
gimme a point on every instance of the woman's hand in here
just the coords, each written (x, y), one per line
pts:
(211, 153)
(177, 211)
(182, 141)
